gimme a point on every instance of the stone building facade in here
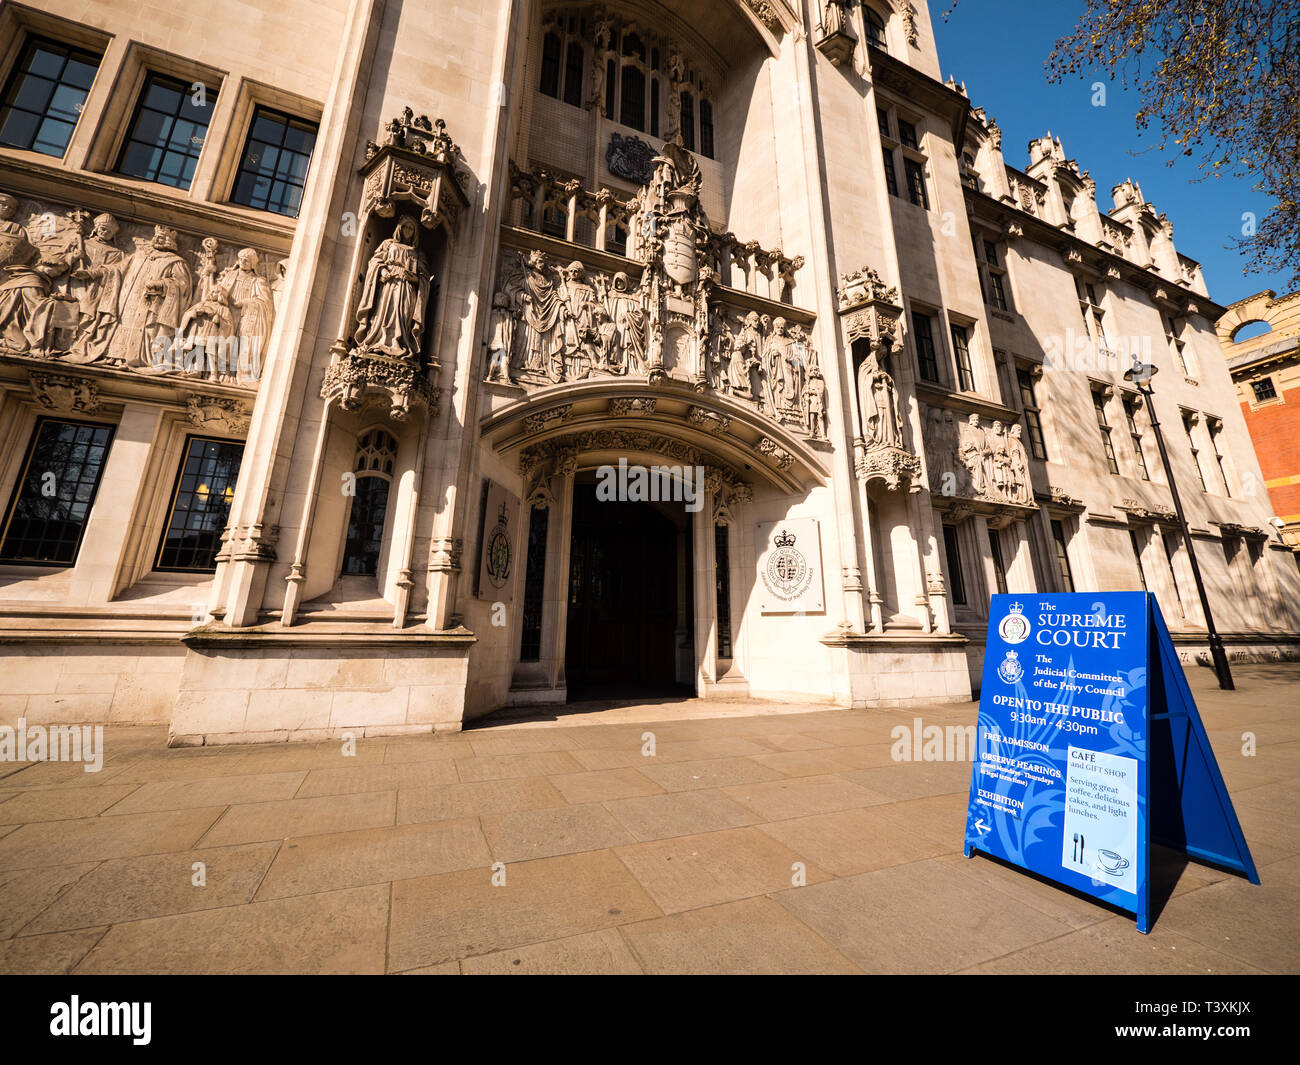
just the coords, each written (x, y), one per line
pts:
(321, 351)
(1266, 372)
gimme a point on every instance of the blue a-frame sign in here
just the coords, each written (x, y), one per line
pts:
(1089, 748)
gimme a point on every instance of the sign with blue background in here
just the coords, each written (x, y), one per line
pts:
(1079, 691)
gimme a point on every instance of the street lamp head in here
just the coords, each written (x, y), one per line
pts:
(1141, 372)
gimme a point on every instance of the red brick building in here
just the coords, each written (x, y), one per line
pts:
(1266, 371)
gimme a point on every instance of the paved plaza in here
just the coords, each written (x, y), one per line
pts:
(535, 846)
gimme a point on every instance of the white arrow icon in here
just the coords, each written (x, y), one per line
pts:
(981, 825)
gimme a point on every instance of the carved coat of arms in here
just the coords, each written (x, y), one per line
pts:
(631, 158)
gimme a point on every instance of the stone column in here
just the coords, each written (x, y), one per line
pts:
(555, 612)
(239, 586)
(986, 556)
(1020, 571)
(704, 586)
(108, 532)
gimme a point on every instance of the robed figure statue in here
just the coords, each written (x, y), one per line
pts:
(878, 404)
(391, 315)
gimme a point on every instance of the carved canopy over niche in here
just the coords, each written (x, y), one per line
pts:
(412, 199)
(78, 288)
(869, 317)
(666, 317)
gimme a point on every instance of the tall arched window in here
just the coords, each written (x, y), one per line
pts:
(688, 121)
(550, 84)
(373, 468)
(573, 71)
(632, 111)
(874, 26)
(638, 77)
(706, 128)
(564, 60)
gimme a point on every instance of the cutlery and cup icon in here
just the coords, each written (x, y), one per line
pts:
(1108, 860)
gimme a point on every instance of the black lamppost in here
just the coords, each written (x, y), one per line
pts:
(1141, 375)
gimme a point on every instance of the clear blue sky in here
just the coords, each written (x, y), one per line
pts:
(998, 48)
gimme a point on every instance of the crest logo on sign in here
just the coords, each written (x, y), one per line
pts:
(787, 574)
(1014, 628)
(498, 551)
(1011, 670)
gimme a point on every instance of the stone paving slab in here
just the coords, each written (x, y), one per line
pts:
(757, 838)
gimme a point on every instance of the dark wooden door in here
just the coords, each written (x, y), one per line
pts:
(622, 598)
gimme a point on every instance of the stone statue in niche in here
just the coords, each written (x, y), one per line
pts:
(391, 313)
(834, 17)
(676, 69)
(878, 404)
(501, 338)
(157, 285)
(602, 53)
(628, 314)
(814, 402)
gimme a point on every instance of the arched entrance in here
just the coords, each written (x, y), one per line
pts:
(630, 598)
(643, 596)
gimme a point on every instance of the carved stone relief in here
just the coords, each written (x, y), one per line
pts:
(630, 157)
(216, 413)
(640, 407)
(966, 458)
(766, 14)
(82, 289)
(553, 322)
(63, 393)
